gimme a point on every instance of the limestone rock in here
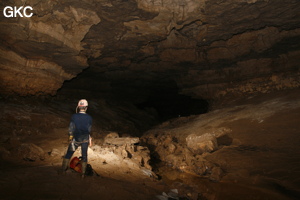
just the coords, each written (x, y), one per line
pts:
(29, 76)
(31, 152)
(126, 149)
(55, 152)
(202, 143)
(200, 46)
(216, 174)
(121, 141)
(112, 135)
(43, 51)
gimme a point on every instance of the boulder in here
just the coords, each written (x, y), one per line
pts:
(202, 143)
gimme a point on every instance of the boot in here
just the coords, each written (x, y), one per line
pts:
(64, 165)
(83, 169)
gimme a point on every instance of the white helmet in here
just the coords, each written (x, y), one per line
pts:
(83, 103)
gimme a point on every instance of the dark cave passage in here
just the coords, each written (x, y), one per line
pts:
(129, 95)
(170, 104)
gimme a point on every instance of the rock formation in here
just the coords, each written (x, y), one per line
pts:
(39, 53)
(141, 62)
(215, 145)
(207, 48)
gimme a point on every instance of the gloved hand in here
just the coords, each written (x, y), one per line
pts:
(70, 138)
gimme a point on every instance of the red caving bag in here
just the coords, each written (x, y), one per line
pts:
(75, 164)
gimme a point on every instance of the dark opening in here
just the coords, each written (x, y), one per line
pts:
(169, 104)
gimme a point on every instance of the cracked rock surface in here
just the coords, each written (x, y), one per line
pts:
(207, 48)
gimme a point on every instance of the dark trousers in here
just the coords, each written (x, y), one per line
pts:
(84, 148)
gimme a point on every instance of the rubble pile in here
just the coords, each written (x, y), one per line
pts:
(121, 150)
(186, 152)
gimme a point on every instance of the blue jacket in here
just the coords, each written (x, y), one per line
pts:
(80, 127)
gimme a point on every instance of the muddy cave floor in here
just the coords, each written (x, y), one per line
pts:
(262, 161)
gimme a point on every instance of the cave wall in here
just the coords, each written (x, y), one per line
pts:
(208, 48)
(39, 53)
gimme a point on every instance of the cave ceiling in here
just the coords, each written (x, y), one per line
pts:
(204, 48)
